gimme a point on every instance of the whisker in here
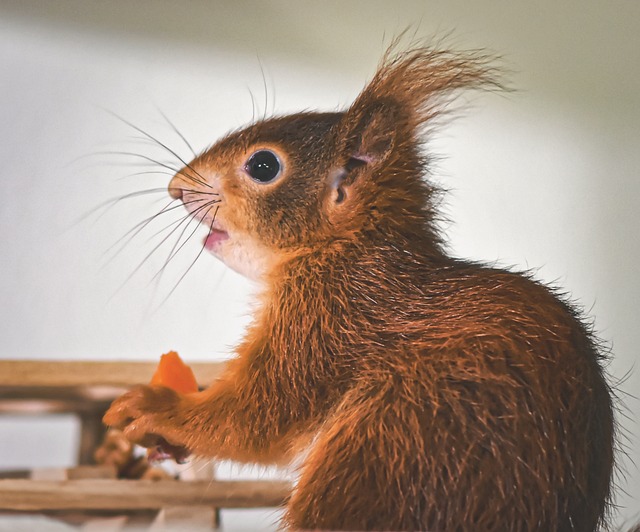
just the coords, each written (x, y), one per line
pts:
(174, 251)
(194, 260)
(159, 143)
(175, 129)
(173, 169)
(266, 92)
(273, 96)
(136, 229)
(146, 172)
(212, 202)
(155, 248)
(140, 226)
(149, 172)
(108, 204)
(130, 164)
(160, 231)
(253, 105)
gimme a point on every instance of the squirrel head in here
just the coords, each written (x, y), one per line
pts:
(292, 184)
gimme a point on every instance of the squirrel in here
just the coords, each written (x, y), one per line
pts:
(422, 391)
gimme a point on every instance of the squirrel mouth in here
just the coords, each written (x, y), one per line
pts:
(214, 238)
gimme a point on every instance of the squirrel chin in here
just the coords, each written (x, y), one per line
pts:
(243, 256)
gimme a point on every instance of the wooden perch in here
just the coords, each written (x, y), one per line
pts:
(88, 495)
(83, 388)
(121, 495)
(82, 374)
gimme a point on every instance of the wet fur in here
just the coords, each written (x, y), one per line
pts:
(429, 393)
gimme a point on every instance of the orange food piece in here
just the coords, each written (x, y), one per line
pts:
(173, 373)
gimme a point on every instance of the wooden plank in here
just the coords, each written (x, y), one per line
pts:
(47, 373)
(106, 524)
(15, 401)
(15, 473)
(92, 432)
(72, 473)
(55, 399)
(186, 518)
(34, 495)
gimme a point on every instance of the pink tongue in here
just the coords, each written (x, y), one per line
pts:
(214, 237)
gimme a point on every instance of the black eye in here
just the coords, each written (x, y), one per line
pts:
(263, 166)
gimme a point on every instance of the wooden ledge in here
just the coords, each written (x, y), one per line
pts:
(78, 374)
(43, 495)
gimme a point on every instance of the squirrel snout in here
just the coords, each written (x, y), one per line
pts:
(174, 191)
(175, 187)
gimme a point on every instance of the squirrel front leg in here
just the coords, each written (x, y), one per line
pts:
(247, 415)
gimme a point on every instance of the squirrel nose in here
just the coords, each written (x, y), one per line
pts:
(175, 192)
(174, 189)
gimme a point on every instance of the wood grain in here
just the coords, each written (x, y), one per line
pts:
(34, 495)
(45, 373)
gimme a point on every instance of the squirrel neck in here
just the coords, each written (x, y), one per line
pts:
(329, 285)
(383, 250)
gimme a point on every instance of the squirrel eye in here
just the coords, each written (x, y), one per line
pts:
(263, 166)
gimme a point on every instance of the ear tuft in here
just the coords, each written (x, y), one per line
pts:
(382, 128)
(409, 89)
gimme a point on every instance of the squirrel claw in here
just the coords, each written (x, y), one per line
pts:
(165, 451)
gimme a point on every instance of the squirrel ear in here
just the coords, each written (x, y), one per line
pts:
(372, 139)
(368, 144)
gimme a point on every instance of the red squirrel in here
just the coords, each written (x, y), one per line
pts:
(423, 392)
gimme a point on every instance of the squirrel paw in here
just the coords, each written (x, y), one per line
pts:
(147, 416)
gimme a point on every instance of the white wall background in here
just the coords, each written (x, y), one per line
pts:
(545, 178)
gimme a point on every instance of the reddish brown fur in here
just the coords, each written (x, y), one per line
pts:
(430, 393)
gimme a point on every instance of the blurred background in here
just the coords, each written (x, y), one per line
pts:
(543, 178)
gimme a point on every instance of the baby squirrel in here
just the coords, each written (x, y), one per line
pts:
(424, 392)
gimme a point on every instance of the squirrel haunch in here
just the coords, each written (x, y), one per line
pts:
(428, 393)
